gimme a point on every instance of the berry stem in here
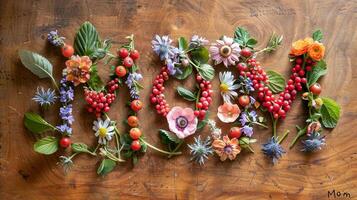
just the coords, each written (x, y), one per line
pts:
(260, 124)
(284, 136)
(275, 121)
(159, 150)
(300, 133)
(177, 148)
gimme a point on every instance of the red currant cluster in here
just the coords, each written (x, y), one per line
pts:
(206, 97)
(100, 101)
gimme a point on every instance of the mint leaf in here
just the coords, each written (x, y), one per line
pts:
(95, 83)
(199, 55)
(186, 71)
(36, 124)
(105, 167)
(317, 36)
(47, 145)
(206, 71)
(317, 71)
(276, 82)
(242, 37)
(330, 113)
(80, 147)
(86, 40)
(168, 137)
(182, 42)
(186, 94)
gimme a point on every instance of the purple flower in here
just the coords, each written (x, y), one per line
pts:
(132, 83)
(55, 39)
(66, 97)
(64, 128)
(243, 118)
(273, 150)
(45, 98)
(66, 114)
(162, 47)
(253, 116)
(197, 41)
(247, 130)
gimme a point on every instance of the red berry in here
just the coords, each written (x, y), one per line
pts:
(242, 67)
(136, 105)
(315, 89)
(246, 52)
(244, 100)
(67, 50)
(235, 132)
(65, 142)
(134, 54)
(298, 61)
(135, 133)
(135, 145)
(123, 53)
(128, 62)
(120, 71)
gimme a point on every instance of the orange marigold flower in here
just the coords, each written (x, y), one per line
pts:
(78, 69)
(316, 51)
(226, 148)
(301, 46)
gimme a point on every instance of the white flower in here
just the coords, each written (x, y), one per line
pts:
(228, 86)
(215, 132)
(104, 130)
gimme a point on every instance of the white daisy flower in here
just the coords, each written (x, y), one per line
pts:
(228, 86)
(103, 130)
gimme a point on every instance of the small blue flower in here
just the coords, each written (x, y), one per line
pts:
(253, 116)
(246, 84)
(55, 39)
(162, 47)
(313, 142)
(247, 130)
(200, 150)
(243, 118)
(132, 78)
(45, 98)
(66, 114)
(273, 150)
(197, 41)
(64, 128)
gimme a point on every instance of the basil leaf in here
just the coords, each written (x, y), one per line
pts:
(317, 71)
(186, 94)
(276, 82)
(206, 71)
(200, 55)
(105, 167)
(37, 64)
(168, 137)
(182, 42)
(203, 122)
(36, 124)
(317, 36)
(95, 82)
(86, 40)
(186, 71)
(80, 147)
(330, 113)
(47, 145)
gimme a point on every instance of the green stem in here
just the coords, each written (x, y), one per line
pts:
(192, 63)
(284, 136)
(177, 148)
(197, 97)
(73, 155)
(54, 83)
(159, 150)
(260, 124)
(275, 121)
(300, 133)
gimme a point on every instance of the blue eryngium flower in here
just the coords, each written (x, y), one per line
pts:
(45, 98)
(273, 150)
(313, 142)
(200, 150)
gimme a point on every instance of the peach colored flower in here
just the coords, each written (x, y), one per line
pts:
(316, 51)
(228, 112)
(78, 69)
(301, 46)
(182, 121)
(226, 148)
(313, 127)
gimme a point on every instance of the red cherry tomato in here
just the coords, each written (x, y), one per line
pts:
(235, 132)
(136, 105)
(246, 52)
(135, 133)
(134, 54)
(315, 89)
(128, 62)
(244, 100)
(135, 145)
(120, 71)
(133, 121)
(67, 50)
(65, 142)
(123, 53)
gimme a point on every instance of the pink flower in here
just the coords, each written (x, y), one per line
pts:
(182, 121)
(226, 51)
(228, 113)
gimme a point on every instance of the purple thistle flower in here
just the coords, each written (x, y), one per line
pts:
(273, 150)
(313, 142)
(247, 130)
(45, 98)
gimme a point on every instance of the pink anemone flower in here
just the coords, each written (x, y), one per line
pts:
(182, 121)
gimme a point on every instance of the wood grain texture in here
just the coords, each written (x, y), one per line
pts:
(27, 175)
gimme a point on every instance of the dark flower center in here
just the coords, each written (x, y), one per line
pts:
(181, 122)
(228, 149)
(225, 51)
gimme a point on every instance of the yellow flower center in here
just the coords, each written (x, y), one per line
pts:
(103, 132)
(224, 87)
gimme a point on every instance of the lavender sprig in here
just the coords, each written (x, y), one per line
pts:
(66, 98)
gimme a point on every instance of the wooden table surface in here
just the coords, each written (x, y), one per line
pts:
(27, 175)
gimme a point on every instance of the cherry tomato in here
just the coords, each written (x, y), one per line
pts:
(134, 54)
(136, 105)
(67, 50)
(120, 71)
(65, 142)
(133, 121)
(235, 132)
(128, 62)
(244, 100)
(242, 66)
(315, 89)
(123, 53)
(246, 52)
(135, 133)
(135, 145)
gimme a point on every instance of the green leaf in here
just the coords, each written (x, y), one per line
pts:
(200, 55)
(168, 137)
(186, 71)
(182, 42)
(330, 113)
(47, 145)
(80, 147)
(95, 83)
(105, 167)
(86, 40)
(206, 71)
(203, 122)
(252, 42)
(37, 64)
(36, 124)
(276, 82)
(241, 36)
(317, 36)
(317, 71)
(186, 94)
